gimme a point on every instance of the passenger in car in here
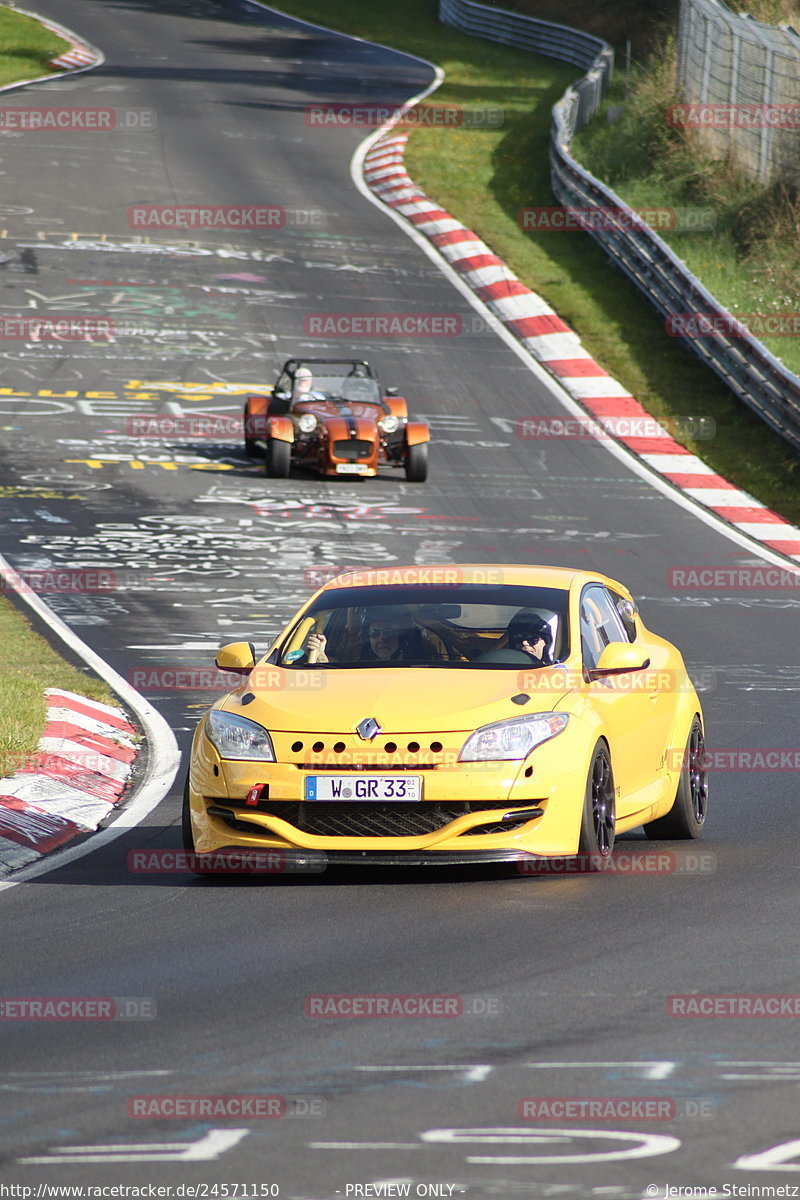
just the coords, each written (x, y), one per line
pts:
(389, 635)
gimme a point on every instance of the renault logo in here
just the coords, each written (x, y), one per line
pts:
(368, 729)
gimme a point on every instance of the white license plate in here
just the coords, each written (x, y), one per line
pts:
(353, 788)
(351, 468)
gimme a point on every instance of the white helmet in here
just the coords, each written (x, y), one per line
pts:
(302, 373)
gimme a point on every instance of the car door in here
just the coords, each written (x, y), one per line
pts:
(623, 702)
(662, 681)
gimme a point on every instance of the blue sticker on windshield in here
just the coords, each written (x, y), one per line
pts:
(293, 656)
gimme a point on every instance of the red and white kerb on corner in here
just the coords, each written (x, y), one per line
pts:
(78, 774)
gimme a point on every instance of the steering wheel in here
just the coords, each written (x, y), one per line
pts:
(507, 656)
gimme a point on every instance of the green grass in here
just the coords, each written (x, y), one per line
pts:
(485, 176)
(751, 260)
(28, 666)
(26, 47)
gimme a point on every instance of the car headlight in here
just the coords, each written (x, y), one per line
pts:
(307, 423)
(236, 737)
(512, 739)
(388, 424)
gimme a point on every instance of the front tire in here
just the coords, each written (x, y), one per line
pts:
(278, 458)
(417, 463)
(599, 808)
(687, 816)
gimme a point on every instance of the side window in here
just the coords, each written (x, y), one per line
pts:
(601, 624)
(627, 613)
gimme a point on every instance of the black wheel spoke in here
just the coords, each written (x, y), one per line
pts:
(697, 774)
(603, 804)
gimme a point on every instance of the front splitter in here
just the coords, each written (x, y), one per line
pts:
(317, 860)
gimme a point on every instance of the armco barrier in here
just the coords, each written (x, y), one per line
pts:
(754, 375)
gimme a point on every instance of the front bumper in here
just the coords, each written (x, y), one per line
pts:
(548, 788)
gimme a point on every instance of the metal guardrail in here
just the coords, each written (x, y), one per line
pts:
(754, 375)
(525, 33)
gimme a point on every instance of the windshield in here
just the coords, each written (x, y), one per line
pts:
(365, 391)
(344, 381)
(486, 627)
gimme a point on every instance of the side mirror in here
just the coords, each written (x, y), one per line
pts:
(281, 395)
(237, 657)
(391, 391)
(619, 658)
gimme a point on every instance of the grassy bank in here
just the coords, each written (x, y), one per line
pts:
(750, 261)
(26, 48)
(28, 666)
(484, 176)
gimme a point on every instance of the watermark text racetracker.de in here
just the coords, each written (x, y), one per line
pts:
(216, 1107)
(737, 1005)
(436, 577)
(399, 1006)
(734, 116)
(421, 116)
(598, 219)
(604, 429)
(372, 325)
(238, 217)
(59, 580)
(611, 1108)
(231, 861)
(76, 120)
(760, 577)
(741, 759)
(57, 327)
(739, 325)
(647, 681)
(191, 425)
(77, 1008)
(623, 862)
(202, 678)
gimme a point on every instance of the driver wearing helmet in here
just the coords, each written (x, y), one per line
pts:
(531, 634)
(303, 388)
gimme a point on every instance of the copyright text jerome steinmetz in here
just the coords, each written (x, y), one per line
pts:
(688, 1192)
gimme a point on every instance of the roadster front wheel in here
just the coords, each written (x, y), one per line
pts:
(417, 463)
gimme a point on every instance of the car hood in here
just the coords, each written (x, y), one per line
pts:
(401, 699)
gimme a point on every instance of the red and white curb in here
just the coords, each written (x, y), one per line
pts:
(78, 775)
(559, 350)
(78, 56)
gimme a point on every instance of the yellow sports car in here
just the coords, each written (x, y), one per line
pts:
(450, 714)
